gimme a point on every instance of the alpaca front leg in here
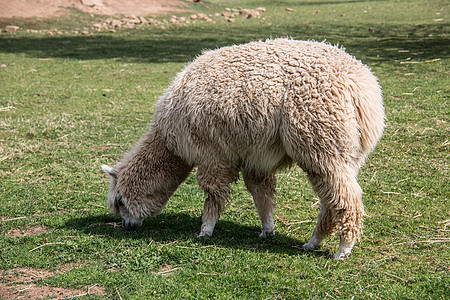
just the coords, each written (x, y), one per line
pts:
(215, 181)
(262, 188)
(211, 213)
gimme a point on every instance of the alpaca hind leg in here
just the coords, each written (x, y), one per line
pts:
(322, 230)
(349, 220)
(341, 209)
(262, 188)
(215, 182)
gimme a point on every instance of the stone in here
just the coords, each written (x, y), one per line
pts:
(202, 16)
(250, 13)
(97, 26)
(116, 23)
(11, 28)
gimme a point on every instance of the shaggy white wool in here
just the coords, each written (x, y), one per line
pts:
(257, 108)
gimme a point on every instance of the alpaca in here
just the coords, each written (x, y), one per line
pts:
(258, 108)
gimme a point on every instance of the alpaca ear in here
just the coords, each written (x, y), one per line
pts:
(109, 171)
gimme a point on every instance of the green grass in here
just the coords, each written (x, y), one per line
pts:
(71, 103)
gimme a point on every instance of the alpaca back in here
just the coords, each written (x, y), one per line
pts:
(262, 103)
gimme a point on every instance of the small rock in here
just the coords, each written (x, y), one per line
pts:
(11, 28)
(216, 15)
(116, 23)
(135, 21)
(143, 20)
(97, 26)
(131, 19)
(193, 17)
(318, 12)
(2, 66)
(289, 9)
(250, 13)
(49, 33)
(112, 30)
(231, 20)
(202, 17)
(85, 32)
(342, 15)
(260, 9)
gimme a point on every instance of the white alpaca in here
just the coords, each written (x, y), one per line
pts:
(258, 108)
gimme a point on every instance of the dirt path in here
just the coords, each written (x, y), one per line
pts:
(49, 8)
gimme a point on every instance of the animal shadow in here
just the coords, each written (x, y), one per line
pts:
(168, 228)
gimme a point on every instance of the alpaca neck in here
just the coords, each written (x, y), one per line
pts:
(150, 175)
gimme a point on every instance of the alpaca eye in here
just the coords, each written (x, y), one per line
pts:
(119, 200)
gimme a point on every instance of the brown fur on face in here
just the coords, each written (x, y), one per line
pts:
(257, 108)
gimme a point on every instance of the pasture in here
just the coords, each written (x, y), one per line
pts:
(70, 102)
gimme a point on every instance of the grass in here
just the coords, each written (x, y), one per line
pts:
(71, 103)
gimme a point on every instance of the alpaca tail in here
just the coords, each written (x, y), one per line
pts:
(368, 101)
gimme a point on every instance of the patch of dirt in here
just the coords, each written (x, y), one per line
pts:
(22, 283)
(49, 8)
(20, 232)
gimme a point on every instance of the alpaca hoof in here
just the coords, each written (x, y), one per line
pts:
(341, 255)
(308, 246)
(345, 248)
(204, 235)
(266, 234)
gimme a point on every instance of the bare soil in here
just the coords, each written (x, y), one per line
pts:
(20, 232)
(22, 283)
(50, 8)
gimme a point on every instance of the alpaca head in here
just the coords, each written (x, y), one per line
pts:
(119, 204)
